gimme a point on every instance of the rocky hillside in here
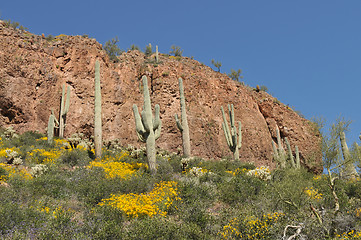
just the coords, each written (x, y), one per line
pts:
(33, 70)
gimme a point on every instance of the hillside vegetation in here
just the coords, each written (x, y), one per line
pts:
(59, 191)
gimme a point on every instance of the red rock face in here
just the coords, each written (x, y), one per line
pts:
(33, 70)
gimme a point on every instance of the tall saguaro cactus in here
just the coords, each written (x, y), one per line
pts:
(148, 128)
(349, 168)
(51, 126)
(97, 113)
(231, 132)
(64, 108)
(183, 124)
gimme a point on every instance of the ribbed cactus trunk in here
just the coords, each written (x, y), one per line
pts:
(51, 126)
(349, 167)
(183, 125)
(148, 128)
(279, 153)
(97, 113)
(64, 108)
(230, 134)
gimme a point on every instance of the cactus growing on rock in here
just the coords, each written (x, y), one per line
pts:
(97, 113)
(280, 155)
(183, 123)
(51, 126)
(148, 128)
(64, 108)
(231, 133)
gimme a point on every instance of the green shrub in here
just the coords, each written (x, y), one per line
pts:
(176, 51)
(112, 49)
(235, 75)
(217, 64)
(76, 157)
(148, 50)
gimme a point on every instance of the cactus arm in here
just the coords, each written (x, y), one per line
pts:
(230, 133)
(226, 130)
(67, 101)
(179, 124)
(156, 120)
(298, 162)
(279, 142)
(231, 114)
(139, 127)
(290, 155)
(158, 131)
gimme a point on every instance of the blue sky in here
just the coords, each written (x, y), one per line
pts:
(307, 53)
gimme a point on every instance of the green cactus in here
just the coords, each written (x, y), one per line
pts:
(51, 126)
(233, 143)
(97, 113)
(64, 108)
(290, 155)
(349, 167)
(148, 128)
(156, 54)
(280, 155)
(183, 124)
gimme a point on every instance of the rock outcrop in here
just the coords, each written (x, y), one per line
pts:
(33, 70)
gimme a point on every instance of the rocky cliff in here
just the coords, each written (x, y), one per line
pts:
(33, 70)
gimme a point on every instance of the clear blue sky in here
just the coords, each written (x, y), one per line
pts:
(307, 52)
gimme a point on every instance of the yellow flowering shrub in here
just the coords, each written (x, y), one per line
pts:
(349, 235)
(153, 203)
(313, 193)
(11, 170)
(54, 212)
(238, 171)
(5, 151)
(250, 227)
(44, 156)
(114, 168)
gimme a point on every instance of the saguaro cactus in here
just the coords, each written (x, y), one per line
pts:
(280, 155)
(156, 54)
(148, 128)
(51, 126)
(97, 113)
(349, 168)
(183, 124)
(231, 133)
(64, 108)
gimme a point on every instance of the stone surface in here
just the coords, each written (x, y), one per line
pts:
(32, 71)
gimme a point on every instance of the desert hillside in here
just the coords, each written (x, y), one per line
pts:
(33, 70)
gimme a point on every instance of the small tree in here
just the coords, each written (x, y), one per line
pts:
(235, 75)
(112, 49)
(134, 47)
(176, 50)
(217, 64)
(148, 50)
